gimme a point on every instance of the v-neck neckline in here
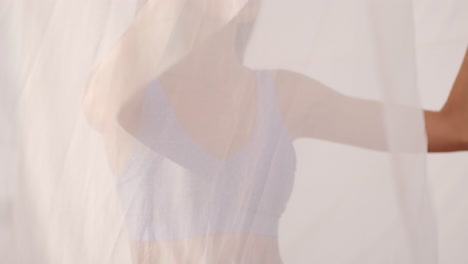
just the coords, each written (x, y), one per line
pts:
(199, 148)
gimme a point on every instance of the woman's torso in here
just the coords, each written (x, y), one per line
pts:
(177, 192)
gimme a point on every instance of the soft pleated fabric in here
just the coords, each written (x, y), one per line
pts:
(217, 131)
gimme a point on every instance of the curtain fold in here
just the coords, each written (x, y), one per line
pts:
(217, 131)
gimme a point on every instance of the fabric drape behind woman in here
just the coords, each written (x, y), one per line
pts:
(213, 131)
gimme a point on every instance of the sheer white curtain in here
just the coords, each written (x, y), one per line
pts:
(442, 39)
(218, 131)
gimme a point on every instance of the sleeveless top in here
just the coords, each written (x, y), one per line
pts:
(174, 189)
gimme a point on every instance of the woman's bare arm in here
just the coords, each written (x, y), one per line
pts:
(314, 110)
(447, 129)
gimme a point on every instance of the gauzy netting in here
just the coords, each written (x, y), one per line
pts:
(212, 131)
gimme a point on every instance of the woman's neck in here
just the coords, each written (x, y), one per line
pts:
(219, 54)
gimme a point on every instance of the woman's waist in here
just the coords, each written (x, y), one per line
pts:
(157, 226)
(217, 248)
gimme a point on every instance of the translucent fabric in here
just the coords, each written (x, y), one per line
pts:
(213, 131)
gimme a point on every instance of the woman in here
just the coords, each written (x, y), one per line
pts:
(205, 162)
